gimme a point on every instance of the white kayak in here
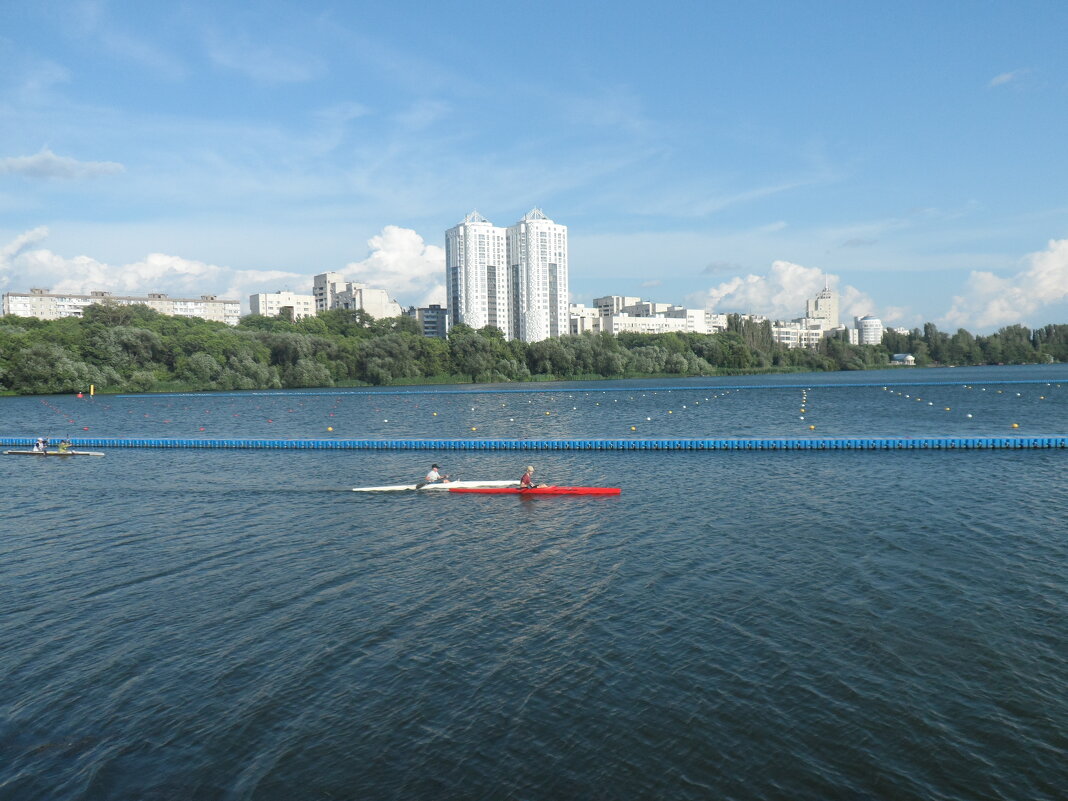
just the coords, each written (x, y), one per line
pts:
(447, 486)
(53, 453)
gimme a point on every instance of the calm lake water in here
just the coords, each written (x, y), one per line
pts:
(735, 625)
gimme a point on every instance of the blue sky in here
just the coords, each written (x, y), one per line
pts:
(730, 154)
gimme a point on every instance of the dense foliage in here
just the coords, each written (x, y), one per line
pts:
(133, 348)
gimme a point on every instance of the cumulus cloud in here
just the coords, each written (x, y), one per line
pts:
(990, 300)
(47, 164)
(157, 272)
(782, 293)
(402, 264)
(17, 245)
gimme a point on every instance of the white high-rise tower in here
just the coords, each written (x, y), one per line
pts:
(537, 266)
(824, 307)
(476, 274)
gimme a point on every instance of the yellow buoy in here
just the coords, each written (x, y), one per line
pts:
(473, 428)
(1015, 425)
(329, 428)
(632, 428)
(812, 428)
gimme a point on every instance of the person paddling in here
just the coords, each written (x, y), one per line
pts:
(433, 477)
(527, 481)
(41, 446)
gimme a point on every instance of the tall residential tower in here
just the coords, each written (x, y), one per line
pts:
(476, 274)
(537, 267)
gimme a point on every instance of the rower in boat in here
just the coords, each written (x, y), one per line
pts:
(527, 481)
(433, 477)
(41, 445)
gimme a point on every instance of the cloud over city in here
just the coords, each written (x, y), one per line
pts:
(782, 293)
(989, 300)
(404, 265)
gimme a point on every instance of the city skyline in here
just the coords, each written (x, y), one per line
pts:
(734, 158)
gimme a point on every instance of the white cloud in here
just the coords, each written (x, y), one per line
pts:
(1006, 77)
(989, 300)
(12, 249)
(782, 293)
(157, 272)
(47, 164)
(402, 264)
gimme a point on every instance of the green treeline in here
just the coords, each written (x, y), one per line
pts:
(135, 349)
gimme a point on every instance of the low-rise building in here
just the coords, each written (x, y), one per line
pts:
(271, 304)
(45, 305)
(331, 291)
(619, 313)
(805, 332)
(433, 319)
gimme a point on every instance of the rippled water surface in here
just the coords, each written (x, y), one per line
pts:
(739, 625)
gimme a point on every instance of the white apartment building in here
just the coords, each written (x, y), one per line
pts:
(325, 288)
(619, 313)
(537, 272)
(801, 333)
(271, 304)
(477, 285)
(43, 305)
(514, 278)
(331, 291)
(867, 330)
(376, 302)
(583, 320)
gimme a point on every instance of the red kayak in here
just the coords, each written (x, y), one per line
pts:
(539, 490)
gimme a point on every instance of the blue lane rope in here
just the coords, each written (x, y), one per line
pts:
(668, 444)
(563, 390)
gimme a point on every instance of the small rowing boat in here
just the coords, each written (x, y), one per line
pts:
(449, 485)
(53, 453)
(539, 490)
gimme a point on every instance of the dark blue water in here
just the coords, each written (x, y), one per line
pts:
(754, 625)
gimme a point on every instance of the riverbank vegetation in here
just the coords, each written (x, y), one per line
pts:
(135, 349)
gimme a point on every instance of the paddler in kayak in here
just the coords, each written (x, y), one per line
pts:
(527, 481)
(41, 446)
(433, 477)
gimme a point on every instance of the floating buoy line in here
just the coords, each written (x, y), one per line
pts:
(583, 444)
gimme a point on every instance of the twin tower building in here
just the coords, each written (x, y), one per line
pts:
(513, 278)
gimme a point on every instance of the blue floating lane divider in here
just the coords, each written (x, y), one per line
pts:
(483, 390)
(582, 444)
